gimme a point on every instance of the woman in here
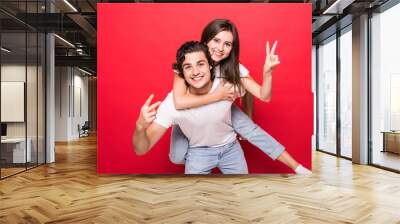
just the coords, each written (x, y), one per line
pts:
(221, 37)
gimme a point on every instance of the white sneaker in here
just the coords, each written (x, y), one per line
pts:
(301, 170)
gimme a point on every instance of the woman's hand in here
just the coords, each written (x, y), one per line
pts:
(226, 91)
(271, 59)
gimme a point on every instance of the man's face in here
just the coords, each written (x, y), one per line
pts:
(196, 70)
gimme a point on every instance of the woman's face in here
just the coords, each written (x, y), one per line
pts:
(220, 46)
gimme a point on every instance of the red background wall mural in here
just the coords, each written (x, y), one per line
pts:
(136, 48)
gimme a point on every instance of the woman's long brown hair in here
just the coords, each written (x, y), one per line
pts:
(229, 67)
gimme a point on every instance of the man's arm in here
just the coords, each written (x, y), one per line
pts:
(147, 133)
(145, 138)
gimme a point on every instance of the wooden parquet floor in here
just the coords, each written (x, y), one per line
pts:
(70, 191)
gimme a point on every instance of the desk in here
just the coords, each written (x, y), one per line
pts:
(391, 141)
(15, 148)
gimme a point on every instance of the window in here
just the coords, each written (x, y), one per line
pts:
(327, 96)
(385, 88)
(346, 93)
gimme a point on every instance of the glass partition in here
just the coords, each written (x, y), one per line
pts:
(385, 89)
(14, 153)
(22, 88)
(346, 93)
(327, 95)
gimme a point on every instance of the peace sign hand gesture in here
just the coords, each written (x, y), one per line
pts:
(271, 59)
(147, 113)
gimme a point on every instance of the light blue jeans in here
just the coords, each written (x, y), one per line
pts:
(242, 125)
(228, 158)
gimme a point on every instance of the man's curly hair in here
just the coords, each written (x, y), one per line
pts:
(190, 47)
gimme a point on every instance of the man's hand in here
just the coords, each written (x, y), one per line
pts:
(147, 114)
(271, 59)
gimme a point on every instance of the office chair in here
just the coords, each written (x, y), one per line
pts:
(84, 130)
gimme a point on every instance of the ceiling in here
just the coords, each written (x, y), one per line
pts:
(76, 22)
(77, 25)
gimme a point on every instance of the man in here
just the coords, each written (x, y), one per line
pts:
(212, 139)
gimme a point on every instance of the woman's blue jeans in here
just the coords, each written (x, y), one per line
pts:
(242, 125)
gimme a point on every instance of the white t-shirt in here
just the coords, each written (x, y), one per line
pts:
(244, 73)
(209, 125)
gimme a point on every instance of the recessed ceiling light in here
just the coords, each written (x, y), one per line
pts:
(71, 6)
(64, 40)
(5, 50)
(337, 7)
(84, 71)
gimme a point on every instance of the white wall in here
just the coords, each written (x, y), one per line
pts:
(71, 87)
(13, 73)
(62, 81)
